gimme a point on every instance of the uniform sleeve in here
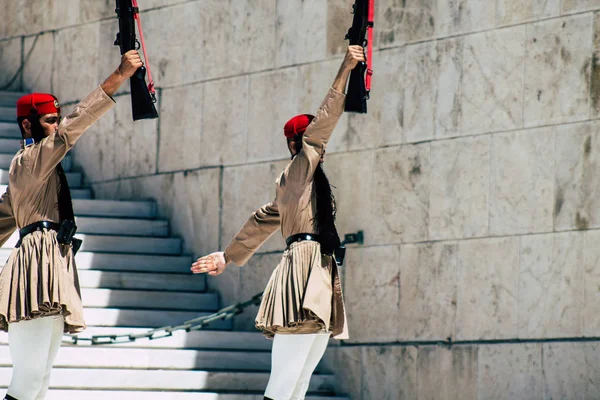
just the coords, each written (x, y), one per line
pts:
(8, 224)
(260, 226)
(41, 158)
(302, 168)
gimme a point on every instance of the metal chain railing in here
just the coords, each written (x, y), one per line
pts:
(195, 324)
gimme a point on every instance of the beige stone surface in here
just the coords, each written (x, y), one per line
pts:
(339, 20)
(461, 16)
(557, 70)
(595, 71)
(371, 283)
(389, 373)
(10, 61)
(240, 199)
(27, 17)
(346, 364)
(401, 193)
(509, 371)
(383, 125)
(300, 32)
(428, 291)
(551, 286)
(510, 12)
(571, 370)
(577, 176)
(492, 92)
(488, 288)
(569, 6)
(37, 73)
(522, 182)
(70, 81)
(447, 374)
(459, 188)
(591, 279)
(448, 105)
(272, 102)
(402, 21)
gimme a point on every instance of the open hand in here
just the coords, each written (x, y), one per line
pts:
(354, 55)
(130, 62)
(214, 264)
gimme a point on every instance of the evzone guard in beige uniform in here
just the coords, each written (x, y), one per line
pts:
(302, 305)
(39, 289)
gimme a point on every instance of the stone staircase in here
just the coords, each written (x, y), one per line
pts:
(134, 277)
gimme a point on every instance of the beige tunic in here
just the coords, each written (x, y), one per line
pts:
(40, 277)
(304, 293)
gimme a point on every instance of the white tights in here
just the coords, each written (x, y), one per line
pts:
(293, 360)
(33, 347)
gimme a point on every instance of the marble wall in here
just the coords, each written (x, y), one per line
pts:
(474, 176)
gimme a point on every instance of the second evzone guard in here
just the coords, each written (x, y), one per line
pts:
(302, 305)
(39, 289)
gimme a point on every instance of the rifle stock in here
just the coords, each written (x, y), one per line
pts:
(357, 95)
(142, 103)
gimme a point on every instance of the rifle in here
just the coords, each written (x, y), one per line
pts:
(359, 87)
(143, 96)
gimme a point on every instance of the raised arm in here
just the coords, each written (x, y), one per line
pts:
(41, 158)
(254, 233)
(300, 171)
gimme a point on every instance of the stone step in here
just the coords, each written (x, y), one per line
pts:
(159, 395)
(10, 129)
(121, 244)
(81, 193)
(75, 179)
(5, 160)
(194, 340)
(10, 146)
(152, 300)
(123, 379)
(136, 318)
(172, 359)
(118, 226)
(141, 281)
(125, 262)
(114, 209)
(9, 99)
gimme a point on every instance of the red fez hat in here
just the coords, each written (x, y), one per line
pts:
(37, 103)
(297, 125)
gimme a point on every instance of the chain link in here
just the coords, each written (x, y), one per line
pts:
(195, 324)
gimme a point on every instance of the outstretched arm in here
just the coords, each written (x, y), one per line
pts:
(43, 157)
(260, 226)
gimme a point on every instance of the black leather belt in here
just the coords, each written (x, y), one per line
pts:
(300, 237)
(36, 226)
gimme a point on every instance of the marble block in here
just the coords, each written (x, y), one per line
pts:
(428, 291)
(551, 284)
(522, 182)
(371, 284)
(405, 21)
(384, 123)
(571, 370)
(488, 288)
(448, 107)
(557, 70)
(271, 103)
(300, 32)
(389, 373)
(70, 81)
(339, 20)
(447, 373)
(577, 192)
(571, 6)
(346, 364)
(595, 71)
(37, 73)
(510, 371)
(27, 17)
(461, 16)
(591, 279)
(510, 12)
(10, 62)
(244, 190)
(401, 194)
(459, 189)
(492, 88)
